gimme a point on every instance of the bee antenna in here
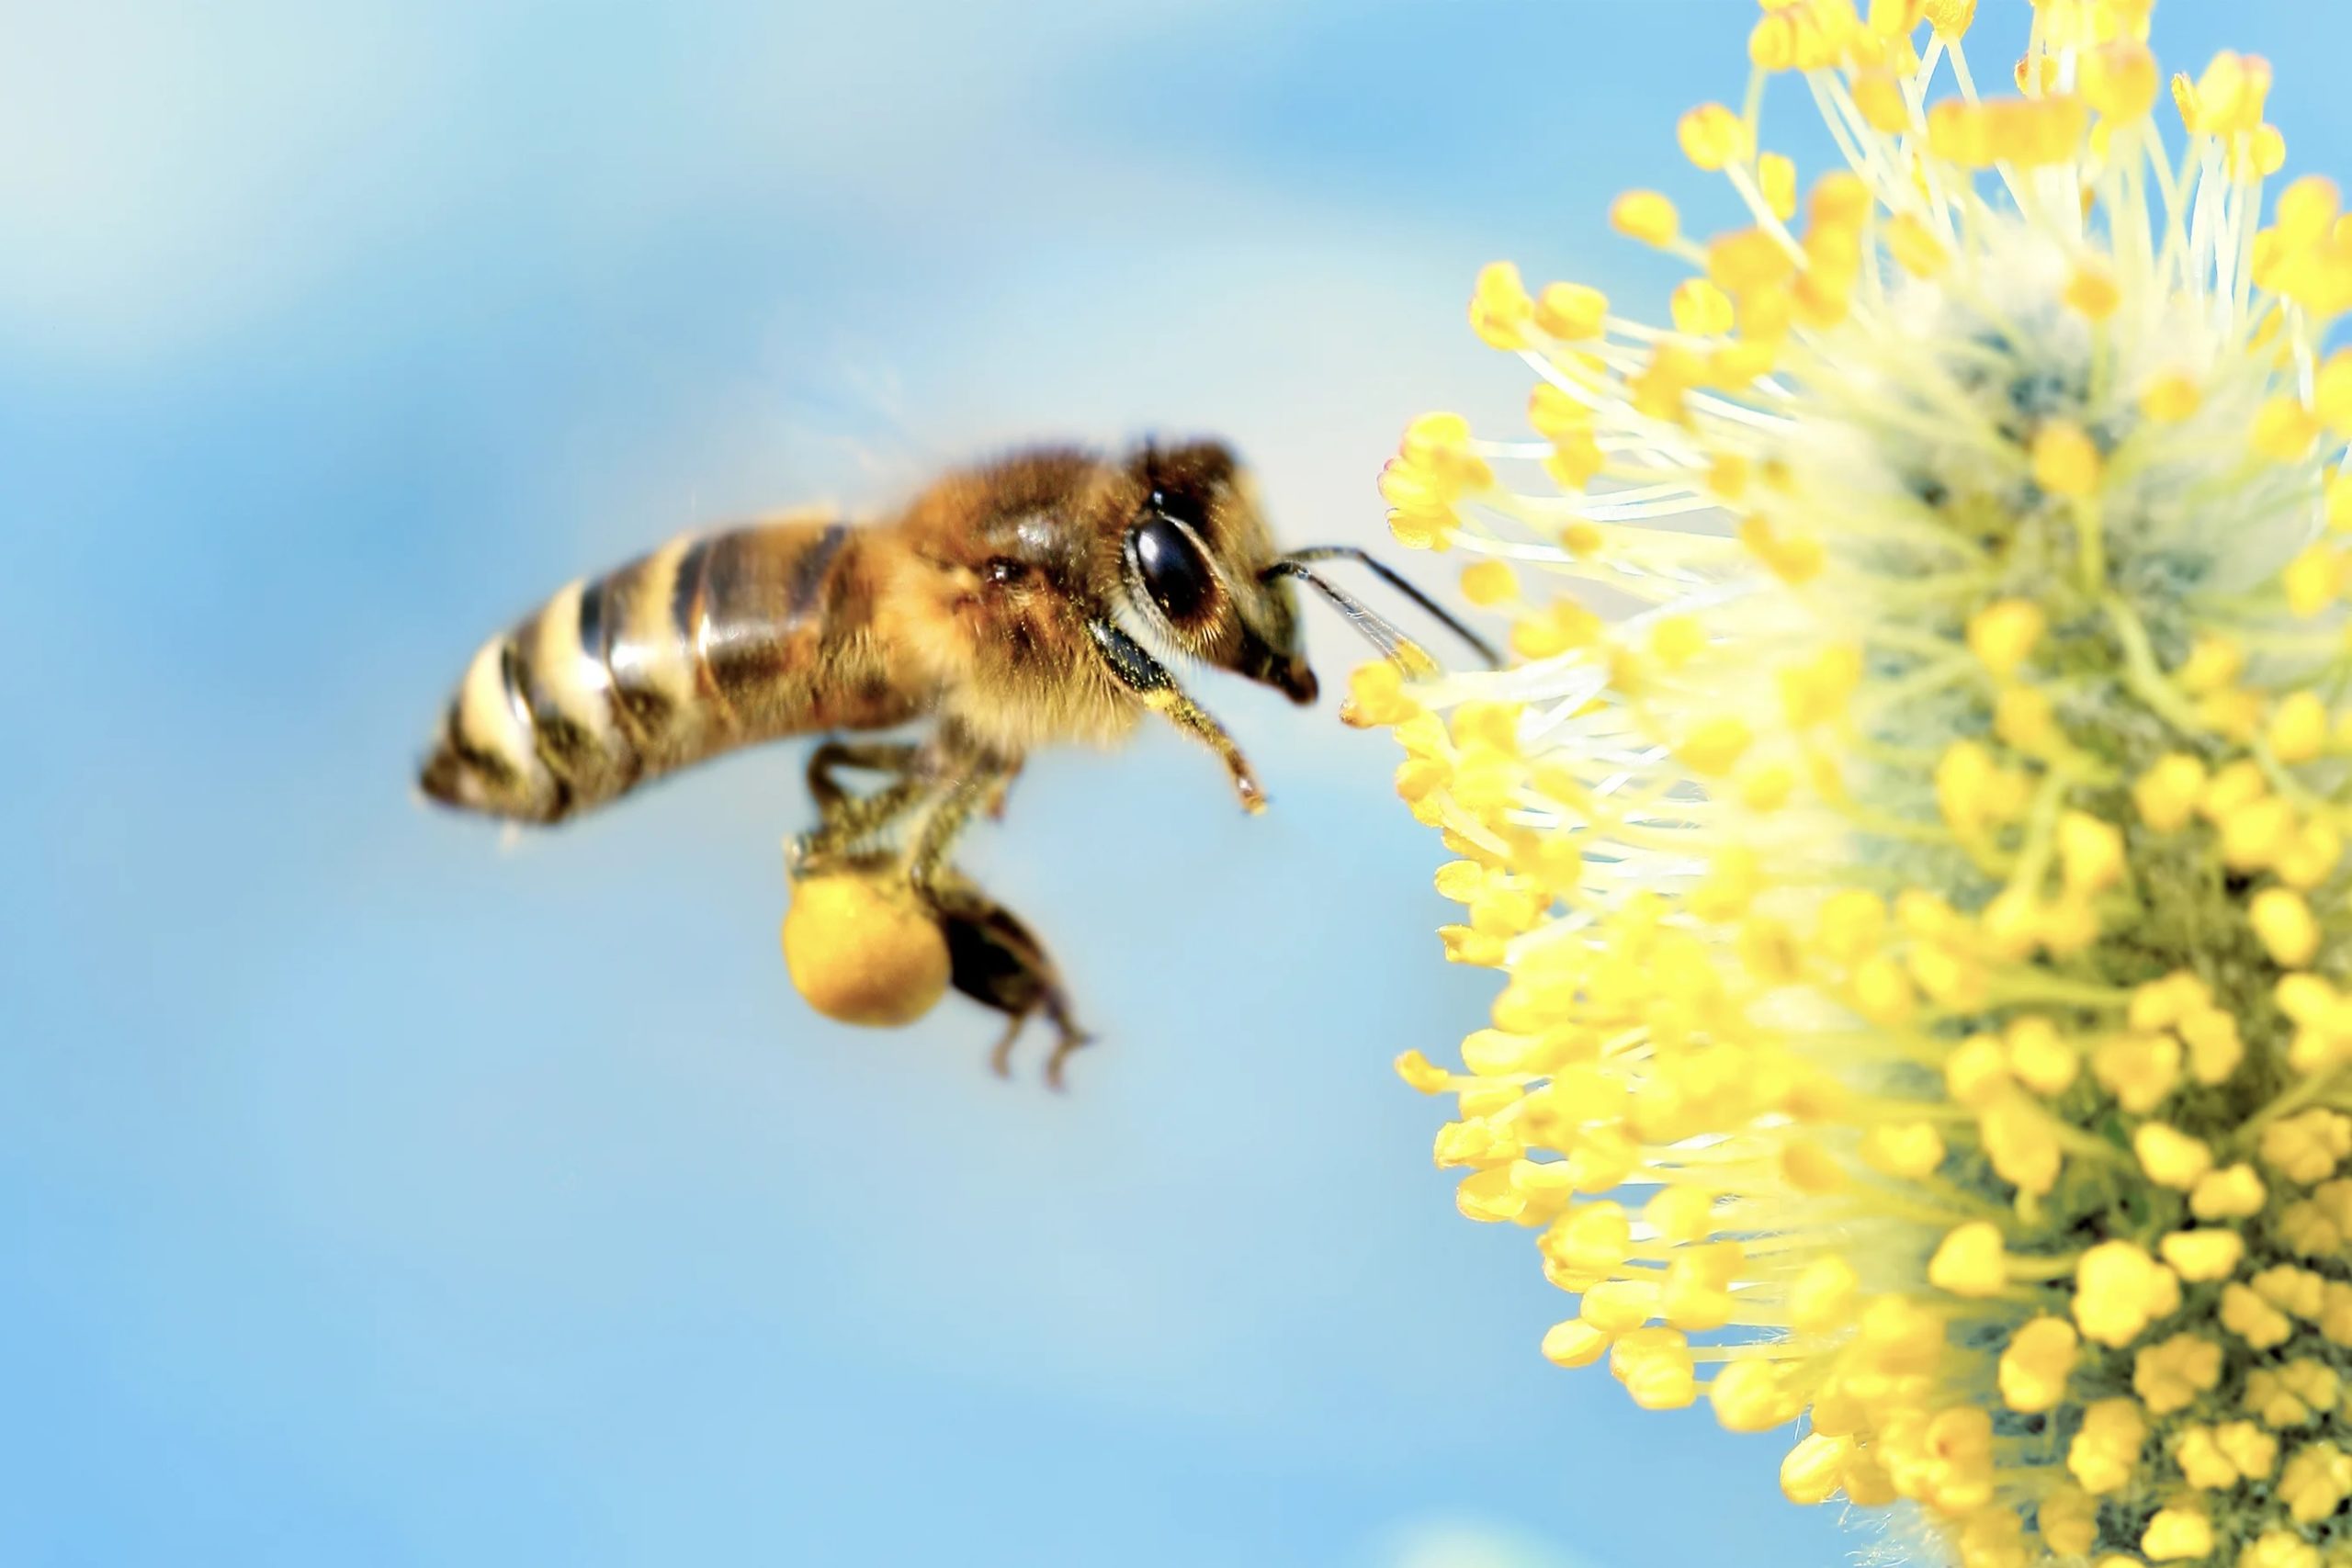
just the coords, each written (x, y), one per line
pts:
(1400, 650)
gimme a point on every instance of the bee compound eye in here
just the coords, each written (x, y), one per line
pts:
(1174, 573)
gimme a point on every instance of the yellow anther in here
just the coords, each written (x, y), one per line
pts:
(1713, 136)
(1646, 216)
(2171, 397)
(1500, 307)
(2228, 97)
(1909, 1149)
(2170, 1156)
(2020, 1146)
(2034, 1369)
(2025, 718)
(2234, 1192)
(1880, 98)
(2064, 460)
(2298, 728)
(1700, 309)
(2120, 79)
(2285, 924)
(2091, 851)
(1970, 1261)
(2105, 1453)
(1489, 583)
(2042, 1058)
(2203, 1257)
(1839, 200)
(2140, 1070)
(2313, 579)
(2092, 290)
(2213, 662)
(1813, 1470)
(2169, 1376)
(1678, 640)
(1712, 747)
(1824, 1297)
(2283, 429)
(1572, 312)
(1575, 1343)
(2119, 1290)
(1951, 17)
(2307, 1148)
(1745, 260)
(2177, 1534)
(2004, 633)
(2168, 793)
(1958, 132)
(1915, 247)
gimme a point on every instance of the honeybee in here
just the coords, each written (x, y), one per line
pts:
(1000, 608)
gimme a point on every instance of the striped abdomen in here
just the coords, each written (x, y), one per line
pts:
(709, 643)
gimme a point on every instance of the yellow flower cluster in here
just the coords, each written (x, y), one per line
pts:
(1913, 832)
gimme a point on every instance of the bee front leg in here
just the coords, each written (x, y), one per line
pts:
(1136, 669)
(997, 961)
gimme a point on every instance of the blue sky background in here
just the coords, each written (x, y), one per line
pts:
(371, 1196)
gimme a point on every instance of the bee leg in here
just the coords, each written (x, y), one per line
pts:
(872, 757)
(845, 819)
(995, 807)
(1136, 669)
(997, 961)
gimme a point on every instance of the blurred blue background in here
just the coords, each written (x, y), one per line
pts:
(369, 1195)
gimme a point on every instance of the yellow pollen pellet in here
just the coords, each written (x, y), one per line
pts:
(2064, 460)
(1713, 136)
(1646, 216)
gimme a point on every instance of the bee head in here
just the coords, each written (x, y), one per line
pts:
(1194, 560)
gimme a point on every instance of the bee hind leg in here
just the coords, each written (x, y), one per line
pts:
(845, 820)
(998, 962)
